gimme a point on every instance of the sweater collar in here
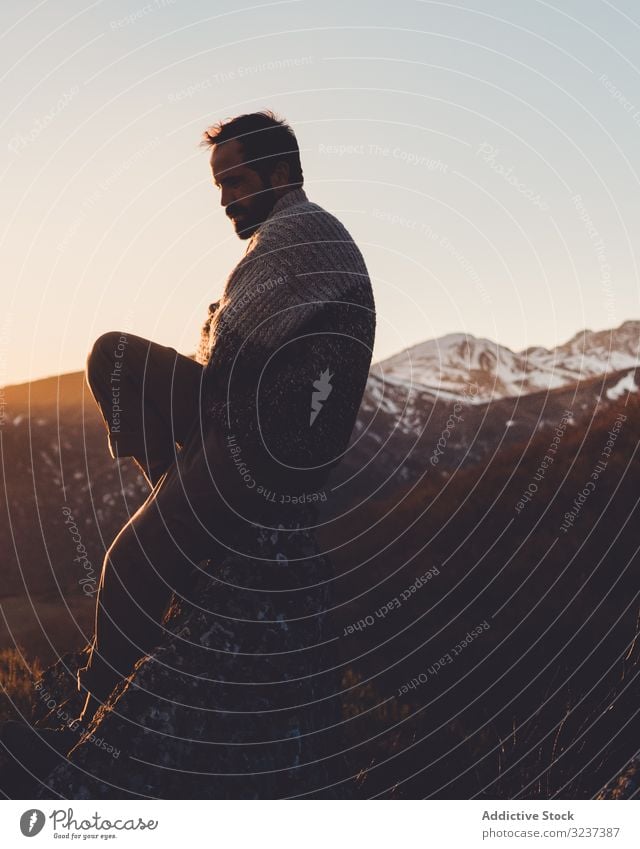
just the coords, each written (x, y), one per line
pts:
(291, 198)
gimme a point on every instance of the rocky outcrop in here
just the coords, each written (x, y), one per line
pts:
(240, 700)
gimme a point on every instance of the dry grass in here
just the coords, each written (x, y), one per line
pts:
(17, 677)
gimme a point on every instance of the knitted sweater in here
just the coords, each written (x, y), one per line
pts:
(288, 347)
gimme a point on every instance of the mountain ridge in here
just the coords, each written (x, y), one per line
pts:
(447, 366)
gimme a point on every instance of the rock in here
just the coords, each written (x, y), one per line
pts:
(240, 700)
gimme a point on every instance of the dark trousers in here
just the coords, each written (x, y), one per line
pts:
(149, 397)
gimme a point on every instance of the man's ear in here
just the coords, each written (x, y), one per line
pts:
(281, 175)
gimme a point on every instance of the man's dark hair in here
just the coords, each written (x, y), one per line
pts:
(266, 140)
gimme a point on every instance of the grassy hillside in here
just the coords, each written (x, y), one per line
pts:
(543, 701)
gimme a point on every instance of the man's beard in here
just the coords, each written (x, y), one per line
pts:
(248, 216)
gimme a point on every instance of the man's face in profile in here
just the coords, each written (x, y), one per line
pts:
(247, 199)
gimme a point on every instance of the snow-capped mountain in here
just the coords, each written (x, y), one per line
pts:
(471, 394)
(461, 366)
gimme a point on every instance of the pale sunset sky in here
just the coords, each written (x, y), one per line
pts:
(484, 154)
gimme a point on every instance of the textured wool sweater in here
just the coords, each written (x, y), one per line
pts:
(287, 349)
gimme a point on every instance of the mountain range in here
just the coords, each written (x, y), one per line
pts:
(445, 367)
(475, 394)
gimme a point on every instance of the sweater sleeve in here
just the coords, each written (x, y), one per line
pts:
(266, 305)
(202, 354)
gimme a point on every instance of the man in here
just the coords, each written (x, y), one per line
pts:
(244, 436)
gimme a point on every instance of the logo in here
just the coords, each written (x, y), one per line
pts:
(322, 388)
(32, 822)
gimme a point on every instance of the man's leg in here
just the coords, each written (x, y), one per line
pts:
(150, 558)
(187, 518)
(184, 520)
(148, 395)
(153, 555)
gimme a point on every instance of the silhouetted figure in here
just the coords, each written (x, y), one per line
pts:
(240, 440)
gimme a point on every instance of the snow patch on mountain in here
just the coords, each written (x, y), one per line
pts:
(625, 384)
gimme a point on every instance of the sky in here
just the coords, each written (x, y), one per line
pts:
(484, 155)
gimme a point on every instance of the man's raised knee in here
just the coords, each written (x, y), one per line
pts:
(105, 355)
